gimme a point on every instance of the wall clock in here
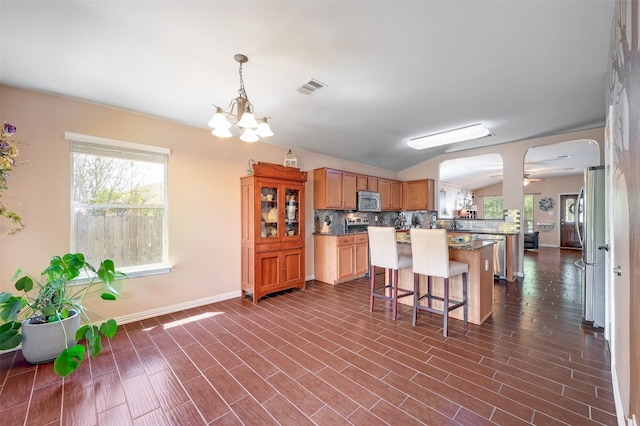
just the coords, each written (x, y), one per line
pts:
(545, 203)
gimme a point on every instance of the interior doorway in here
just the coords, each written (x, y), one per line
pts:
(570, 217)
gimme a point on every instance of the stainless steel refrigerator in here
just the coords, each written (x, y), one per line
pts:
(591, 231)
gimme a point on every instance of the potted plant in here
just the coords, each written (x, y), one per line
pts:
(54, 306)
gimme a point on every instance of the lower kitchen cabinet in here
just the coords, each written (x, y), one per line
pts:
(340, 258)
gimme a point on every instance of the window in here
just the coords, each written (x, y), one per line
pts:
(119, 203)
(492, 208)
(528, 213)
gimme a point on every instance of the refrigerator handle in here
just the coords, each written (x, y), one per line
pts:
(577, 209)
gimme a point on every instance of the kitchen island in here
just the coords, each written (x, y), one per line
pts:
(479, 256)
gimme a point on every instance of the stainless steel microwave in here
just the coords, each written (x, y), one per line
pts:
(369, 201)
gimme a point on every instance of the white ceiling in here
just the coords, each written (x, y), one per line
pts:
(394, 69)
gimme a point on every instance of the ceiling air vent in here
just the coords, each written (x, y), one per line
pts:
(311, 87)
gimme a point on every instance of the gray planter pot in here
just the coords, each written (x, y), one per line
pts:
(43, 342)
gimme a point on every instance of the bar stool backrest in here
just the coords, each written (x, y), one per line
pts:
(383, 247)
(430, 251)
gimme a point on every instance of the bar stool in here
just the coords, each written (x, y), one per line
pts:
(383, 252)
(430, 252)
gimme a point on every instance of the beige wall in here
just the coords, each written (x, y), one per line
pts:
(203, 191)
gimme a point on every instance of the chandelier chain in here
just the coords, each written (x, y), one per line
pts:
(241, 91)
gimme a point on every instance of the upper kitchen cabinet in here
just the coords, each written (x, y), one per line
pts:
(384, 188)
(396, 195)
(418, 195)
(334, 189)
(361, 183)
(366, 183)
(390, 194)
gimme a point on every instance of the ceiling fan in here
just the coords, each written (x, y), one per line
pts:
(527, 180)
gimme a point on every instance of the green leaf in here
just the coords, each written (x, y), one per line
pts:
(109, 328)
(69, 360)
(108, 296)
(94, 340)
(107, 271)
(81, 331)
(49, 311)
(24, 284)
(9, 336)
(10, 309)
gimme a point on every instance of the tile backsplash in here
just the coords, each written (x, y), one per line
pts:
(420, 219)
(397, 219)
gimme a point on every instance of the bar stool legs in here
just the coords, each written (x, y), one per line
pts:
(389, 292)
(447, 303)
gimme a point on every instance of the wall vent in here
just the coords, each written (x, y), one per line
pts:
(311, 87)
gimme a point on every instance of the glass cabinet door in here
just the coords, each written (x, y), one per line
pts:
(269, 212)
(291, 214)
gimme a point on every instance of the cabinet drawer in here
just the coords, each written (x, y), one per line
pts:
(361, 238)
(292, 244)
(268, 247)
(345, 240)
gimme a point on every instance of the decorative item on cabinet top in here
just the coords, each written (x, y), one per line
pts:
(277, 171)
(251, 164)
(290, 160)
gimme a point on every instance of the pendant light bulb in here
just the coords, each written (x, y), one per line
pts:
(248, 121)
(263, 130)
(249, 135)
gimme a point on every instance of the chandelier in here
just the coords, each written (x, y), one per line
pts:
(239, 111)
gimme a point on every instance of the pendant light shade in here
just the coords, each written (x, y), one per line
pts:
(249, 135)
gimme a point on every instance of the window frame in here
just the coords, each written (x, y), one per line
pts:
(114, 144)
(528, 222)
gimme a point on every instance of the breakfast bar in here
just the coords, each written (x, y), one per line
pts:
(479, 256)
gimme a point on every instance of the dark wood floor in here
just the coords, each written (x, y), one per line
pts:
(320, 357)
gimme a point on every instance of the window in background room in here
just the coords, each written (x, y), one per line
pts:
(528, 213)
(492, 208)
(119, 202)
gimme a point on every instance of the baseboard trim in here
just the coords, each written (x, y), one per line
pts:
(617, 399)
(175, 308)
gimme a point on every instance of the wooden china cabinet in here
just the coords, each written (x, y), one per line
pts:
(272, 230)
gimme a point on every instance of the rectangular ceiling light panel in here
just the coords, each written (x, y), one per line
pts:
(475, 131)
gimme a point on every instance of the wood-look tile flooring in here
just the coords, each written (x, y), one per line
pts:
(320, 357)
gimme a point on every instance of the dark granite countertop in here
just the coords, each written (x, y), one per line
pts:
(472, 245)
(337, 234)
(467, 231)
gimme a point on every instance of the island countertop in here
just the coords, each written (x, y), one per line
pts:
(405, 238)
